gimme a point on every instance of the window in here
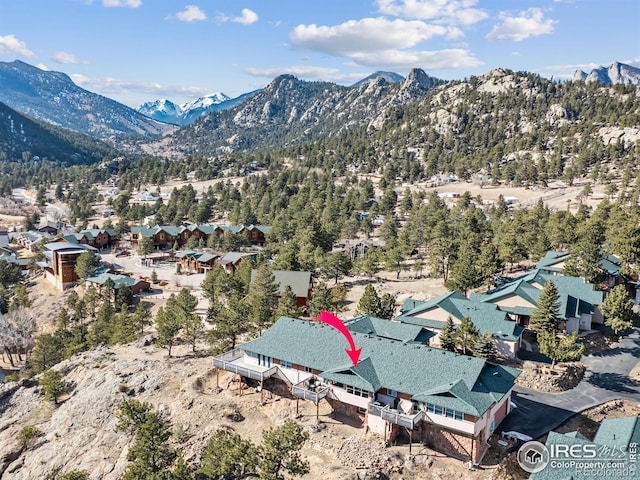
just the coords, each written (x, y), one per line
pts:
(438, 410)
(392, 393)
(356, 391)
(285, 364)
(252, 355)
(449, 412)
(362, 411)
(458, 415)
(308, 369)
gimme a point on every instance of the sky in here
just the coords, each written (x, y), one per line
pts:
(141, 50)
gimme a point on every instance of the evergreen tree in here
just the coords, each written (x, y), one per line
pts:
(262, 292)
(560, 349)
(546, 315)
(229, 322)
(228, 456)
(151, 455)
(485, 347)
(387, 306)
(168, 326)
(287, 304)
(53, 385)
(145, 246)
(124, 297)
(466, 335)
(369, 303)
(617, 309)
(321, 299)
(141, 317)
(86, 265)
(448, 335)
(280, 452)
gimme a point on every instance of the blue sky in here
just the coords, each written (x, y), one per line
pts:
(140, 50)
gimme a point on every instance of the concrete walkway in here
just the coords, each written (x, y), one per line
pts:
(606, 379)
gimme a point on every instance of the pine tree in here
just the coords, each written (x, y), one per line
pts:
(369, 303)
(617, 309)
(560, 349)
(151, 454)
(287, 306)
(546, 315)
(447, 335)
(228, 455)
(168, 326)
(387, 306)
(466, 335)
(53, 386)
(262, 291)
(485, 347)
(229, 322)
(280, 452)
(321, 299)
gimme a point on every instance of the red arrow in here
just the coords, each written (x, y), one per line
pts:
(335, 322)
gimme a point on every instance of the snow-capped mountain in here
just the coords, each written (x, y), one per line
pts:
(167, 111)
(615, 73)
(162, 110)
(54, 98)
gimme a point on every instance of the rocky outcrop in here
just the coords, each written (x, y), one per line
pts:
(613, 74)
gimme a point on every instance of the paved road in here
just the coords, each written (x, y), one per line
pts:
(606, 379)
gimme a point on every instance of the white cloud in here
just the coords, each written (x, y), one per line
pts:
(122, 3)
(441, 11)
(356, 37)
(10, 44)
(530, 23)
(571, 67)
(67, 58)
(110, 85)
(428, 60)
(247, 17)
(192, 13)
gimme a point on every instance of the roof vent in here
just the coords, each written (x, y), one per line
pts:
(496, 374)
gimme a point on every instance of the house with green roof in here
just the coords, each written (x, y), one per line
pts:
(487, 317)
(196, 262)
(231, 260)
(301, 283)
(451, 402)
(553, 263)
(578, 299)
(96, 237)
(165, 236)
(613, 453)
(135, 284)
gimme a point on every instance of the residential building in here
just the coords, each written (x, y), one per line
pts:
(578, 299)
(136, 285)
(301, 284)
(196, 262)
(96, 237)
(30, 240)
(614, 446)
(165, 236)
(60, 262)
(451, 402)
(231, 260)
(553, 263)
(4, 237)
(487, 318)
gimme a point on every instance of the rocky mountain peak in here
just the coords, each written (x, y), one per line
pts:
(615, 73)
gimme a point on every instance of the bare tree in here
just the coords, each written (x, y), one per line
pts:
(17, 330)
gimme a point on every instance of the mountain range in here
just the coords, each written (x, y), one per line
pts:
(286, 112)
(54, 98)
(615, 73)
(291, 111)
(166, 111)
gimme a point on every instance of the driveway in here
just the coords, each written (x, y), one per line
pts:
(606, 378)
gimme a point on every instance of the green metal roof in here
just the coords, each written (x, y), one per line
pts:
(233, 257)
(300, 282)
(487, 317)
(575, 295)
(118, 280)
(610, 263)
(618, 431)
(405, 367)
(394, 330)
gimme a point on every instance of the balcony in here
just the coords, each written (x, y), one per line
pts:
(234, 361)
(311, 389)
(391, 415)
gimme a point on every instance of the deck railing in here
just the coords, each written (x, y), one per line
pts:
(391, 415)
(226, 362)
(314, 392)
